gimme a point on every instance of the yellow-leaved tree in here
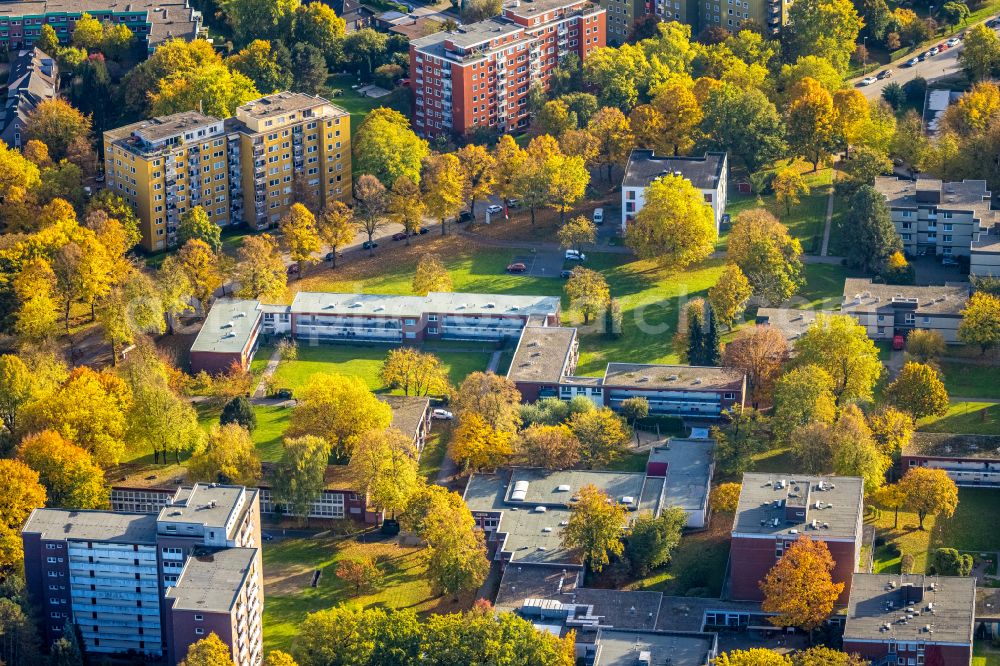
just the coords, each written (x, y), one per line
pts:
(675, 226)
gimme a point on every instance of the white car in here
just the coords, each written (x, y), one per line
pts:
(598, 216)
(868, 80)
(934, 51)
(494, 209)
(442, 415)
(912, 62)
(954, 41)
(573, 255)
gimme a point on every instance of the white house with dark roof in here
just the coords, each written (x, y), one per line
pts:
(708, 173)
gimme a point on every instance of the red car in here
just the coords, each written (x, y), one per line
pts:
(516, 267)
(897, 342)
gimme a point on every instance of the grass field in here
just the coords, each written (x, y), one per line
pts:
(288, 571)
(964, 530)
(906, 538)
(355, 104)
(970, 381)
(975, 418)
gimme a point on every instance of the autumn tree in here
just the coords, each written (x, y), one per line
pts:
(565, 177)
(431, 275)
(371, 203)
(789, 186)
(383, 468)
(201, 265)
(55, 122)
(725, 497)
(675, 226)
(799, 589)
(681, 115)
(752, 657)
(760, 352)
(298, 227)
(576, 232)
(588, 291)
(406, 205)
(918, 390)
(767, 254)
(175, 288)
(20, 494)
(414, 371)
(651, 540)
(610, 128)
(595, 527)
(17, 389)
(230, 456)
(810, 119)
(336, 227)
(730, 295)
(209, 651)
(980, 55)
(509, 159)
(443, 185)
(548, 446)
(981, 321)
(802, 396)
(603, 435)
(824, 656)
(825, 28)
(338, 408)
(892, 430)
(70, 477)
(928, 491)
(743, 434)
(479, 170)
(478, 446)
(386, 147)
(361, 573)
(855, 450)
(891, 498)
(267, 64)
(196, 224)
(490, 396)
(279, 658)
(37, 317)
(300, 474)
(841, 346)
(925, 345)
(260, 270)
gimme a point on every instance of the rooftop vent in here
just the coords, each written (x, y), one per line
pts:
(520, 491)
(563, 488)
(540, 509)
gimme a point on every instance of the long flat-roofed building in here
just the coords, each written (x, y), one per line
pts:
(133, 581)
(887, 310)
(774, 510)
(969, 460)
(479, 74)
(241, 170)
(911, 619)
(155, 22)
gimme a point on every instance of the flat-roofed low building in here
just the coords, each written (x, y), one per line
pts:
(984, 259)
(791, 322)
(887, 310)
(911, 619)
(774, 510)
(969, 460)
(709, 174)
(688, 466)
(676, 390)
(228, 336)
(543, 357)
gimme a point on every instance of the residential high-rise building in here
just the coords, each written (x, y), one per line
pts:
(152, 583)
(479, 75)
(247, 169)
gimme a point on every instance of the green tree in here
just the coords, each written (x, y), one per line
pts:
(767, 254)
(265, 63)
(195, 224)
(980, 55)
(918, 390)
(652, 539)
(308, 69)
(802, 396)
(873, 235)
(17, 389)
(318, 25)
(554, 118)
(675, 226)
(841, 346)
(239, 411)
(386, 147)
(252, 19)
(825, 28)
(949, 562)
(300, 474)
(744, 434)
(981, 321)
(595, 527)
(856, 453)
(88, 33)
(744, 122)
(19, 646)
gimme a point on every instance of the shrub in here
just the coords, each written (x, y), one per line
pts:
(949, 562)
(239, 410)
(906, 564)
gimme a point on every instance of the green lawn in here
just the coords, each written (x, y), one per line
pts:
(355, 104)
(985, 654)
(906, 538)
(434, 451)
(272, 421)
(288, 571)
(976, 418)
(964, 530)
(970, 380)
(698, 565)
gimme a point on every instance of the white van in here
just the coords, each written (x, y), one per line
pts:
(598, 216)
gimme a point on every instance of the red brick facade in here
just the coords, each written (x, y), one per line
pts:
(751, 558)
(934, 655)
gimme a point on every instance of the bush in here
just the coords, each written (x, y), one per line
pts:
(762, 182)
(239, 410)
(949, 562)
(915, 89)
(906, 564)
(893, 94)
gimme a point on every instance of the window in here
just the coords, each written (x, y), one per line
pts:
(729, 396)
(199, 631)
(199, 618)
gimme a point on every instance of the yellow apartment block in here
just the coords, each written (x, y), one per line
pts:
(243, 170)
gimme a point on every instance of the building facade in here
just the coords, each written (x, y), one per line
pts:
(887, 310)
(243, 170)
(968, 460)
(479, 74)
(152, 583)
(33, 79)
(709, 174)
(775, 510)
(21, 21)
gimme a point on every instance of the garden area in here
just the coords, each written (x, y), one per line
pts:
(973, 418)
(289, 571)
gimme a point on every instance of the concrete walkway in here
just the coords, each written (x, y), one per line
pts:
(824, 250)
(272, 365)
(494, 361)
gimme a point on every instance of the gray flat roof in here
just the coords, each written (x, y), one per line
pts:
(837, 515)
(623, 648)
(689, 470)
(408, 411)
(680, 377)
(283, 102)
(791, 322)
(542, 354)
(387, 305)
(943, 608)
(968, 195)
(534, 581)
(953, 445)
(864, 296)
(228, 326)
(645, 166)
(211, 505)
(212, 582)
(531, 8)
(534, 535)
(688, 613)
(112, 526)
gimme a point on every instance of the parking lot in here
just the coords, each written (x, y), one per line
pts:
(545, 264)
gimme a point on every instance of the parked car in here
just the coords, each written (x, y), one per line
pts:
(922, 56)
(868, 80)
(423, 230)
(99, 178)
(399, 236)
(464, 216)
(575, 255)
(954, 41)
(293, 269)
(912, 61)
(934, 51)
(949, 261)
(898, 342)
(943, 46)
(267, 537)
(283, 394)
(566, 274)
(598, 216)
(884, 74)
(369, 245)
(494, 209)
(513, 203)
(442, 415)
(516, 267)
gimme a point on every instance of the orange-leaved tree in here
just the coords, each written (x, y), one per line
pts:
(799, 589)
